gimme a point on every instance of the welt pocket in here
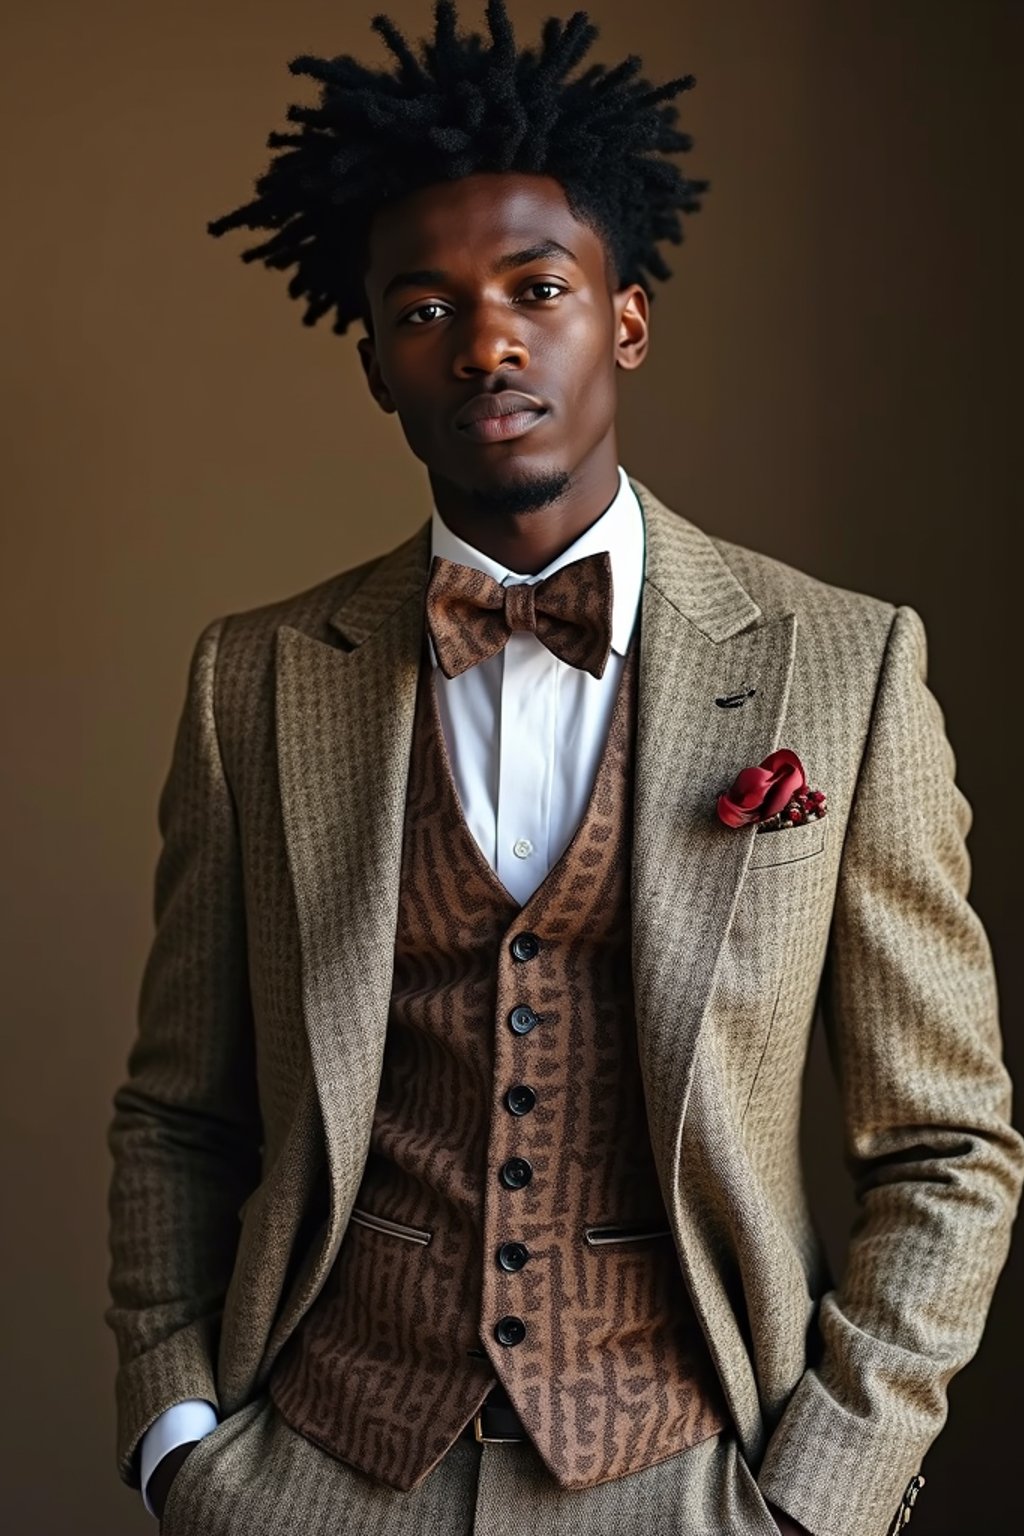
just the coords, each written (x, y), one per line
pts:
(789, 844)
(611, 1236)
(390, 1228)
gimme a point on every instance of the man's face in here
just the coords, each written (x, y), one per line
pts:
(491, 286)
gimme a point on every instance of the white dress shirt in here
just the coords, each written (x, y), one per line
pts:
(524, 732)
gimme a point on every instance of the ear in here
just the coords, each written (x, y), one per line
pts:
(371, 367)
(632, 328)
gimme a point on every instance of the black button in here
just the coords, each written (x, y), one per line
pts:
(510, 1330)
(522, 1020)
(516, 1173)
(525, 946)
(520, 1099)
(512, 1256)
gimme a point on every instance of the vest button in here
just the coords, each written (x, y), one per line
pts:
(525, 946)
(520, 1099)
(522, 1020)
(516, 1173)
(512, 1256)
(510, 1330)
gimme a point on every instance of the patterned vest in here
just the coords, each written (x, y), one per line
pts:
(509, 1226)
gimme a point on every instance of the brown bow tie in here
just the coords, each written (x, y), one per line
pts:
(470, 616)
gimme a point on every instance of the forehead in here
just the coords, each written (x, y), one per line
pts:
(469, 223)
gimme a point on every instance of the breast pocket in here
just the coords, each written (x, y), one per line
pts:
(789, 844)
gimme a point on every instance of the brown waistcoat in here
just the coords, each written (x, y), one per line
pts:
(501, 1228)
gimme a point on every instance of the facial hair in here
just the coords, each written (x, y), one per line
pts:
(525, 496)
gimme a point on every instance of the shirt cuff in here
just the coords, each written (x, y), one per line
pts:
(190, 1420)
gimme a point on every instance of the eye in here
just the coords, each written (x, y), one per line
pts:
(410, 318)
(543, 282)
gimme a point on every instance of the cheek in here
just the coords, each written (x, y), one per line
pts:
(420, 435)
(582, 356)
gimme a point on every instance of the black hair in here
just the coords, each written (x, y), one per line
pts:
(460, 107)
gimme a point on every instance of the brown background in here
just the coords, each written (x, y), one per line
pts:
(831, 380)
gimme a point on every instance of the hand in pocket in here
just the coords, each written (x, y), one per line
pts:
(164, 1474)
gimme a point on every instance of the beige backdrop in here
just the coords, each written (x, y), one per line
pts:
(831, 381)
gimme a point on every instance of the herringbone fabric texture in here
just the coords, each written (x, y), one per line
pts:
(251, 1088)
(256, 1477)
(387, 1366)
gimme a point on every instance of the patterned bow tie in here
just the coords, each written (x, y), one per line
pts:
(470, 616)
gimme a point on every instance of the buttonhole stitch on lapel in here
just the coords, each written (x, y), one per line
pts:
(734, 700)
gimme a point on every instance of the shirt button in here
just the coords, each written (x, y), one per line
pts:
(522, 847)
(520, 1099)
(510, 1330)
(512, 1256)
(525, 946)
(522, 1019)
(516, 1173)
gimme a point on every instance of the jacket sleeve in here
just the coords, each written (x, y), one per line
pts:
(185, 1134)
(910, 1008)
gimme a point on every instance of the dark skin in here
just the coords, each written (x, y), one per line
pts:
(554, 326)
(491, 284)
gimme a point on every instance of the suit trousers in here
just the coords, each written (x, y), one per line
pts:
(254, 1473)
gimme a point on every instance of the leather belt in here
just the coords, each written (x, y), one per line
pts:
(496, 1421)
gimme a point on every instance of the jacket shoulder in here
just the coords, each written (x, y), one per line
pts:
(831, 614)
(308, 610)
(246, 640)
(248, 636)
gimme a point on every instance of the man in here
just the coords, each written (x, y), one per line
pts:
(456, 1177)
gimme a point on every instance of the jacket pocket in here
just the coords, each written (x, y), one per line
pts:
(632, 1232)
(383, 1224)
(789, 844)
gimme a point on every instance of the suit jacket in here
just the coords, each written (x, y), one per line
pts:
(240, 1133)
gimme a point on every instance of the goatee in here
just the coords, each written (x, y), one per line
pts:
(526, 496)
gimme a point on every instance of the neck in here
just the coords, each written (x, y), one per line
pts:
(527, 540)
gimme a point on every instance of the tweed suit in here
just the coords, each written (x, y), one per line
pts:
(241, 1132)
(399, 1348)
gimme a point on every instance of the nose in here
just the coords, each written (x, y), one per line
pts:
(487, 341)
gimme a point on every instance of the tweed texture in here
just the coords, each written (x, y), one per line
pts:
(252, 1083)
(470, 615)
(386, 1368)
(255, 1474)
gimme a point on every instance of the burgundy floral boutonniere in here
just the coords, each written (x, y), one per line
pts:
(774, 794)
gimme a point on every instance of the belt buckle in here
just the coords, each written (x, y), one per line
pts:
(482, 1439)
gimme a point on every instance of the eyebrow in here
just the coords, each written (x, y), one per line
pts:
(424, 276)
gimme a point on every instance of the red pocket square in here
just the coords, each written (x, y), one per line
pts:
(774, 794)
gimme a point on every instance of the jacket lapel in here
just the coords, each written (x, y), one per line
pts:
(702, 636)
(344, 730)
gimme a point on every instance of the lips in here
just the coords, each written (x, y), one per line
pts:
(492, 417)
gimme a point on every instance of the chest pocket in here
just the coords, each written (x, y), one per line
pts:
(789, 845)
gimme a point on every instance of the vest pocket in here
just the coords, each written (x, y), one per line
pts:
(391, 1228)
(634, 1232)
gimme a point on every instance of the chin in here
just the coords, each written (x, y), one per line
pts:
(511, 481)
(518, 486)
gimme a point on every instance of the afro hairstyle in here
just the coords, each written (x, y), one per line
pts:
(459, 106)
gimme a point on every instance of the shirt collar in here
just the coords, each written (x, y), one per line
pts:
(619, 530)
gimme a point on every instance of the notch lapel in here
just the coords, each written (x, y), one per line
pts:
(701, 635)
(344, 731)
